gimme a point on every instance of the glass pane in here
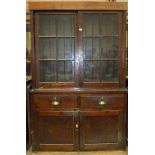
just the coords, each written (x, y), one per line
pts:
(47, 25)
(61, 48)
(65, 71)
(109, 47)
(87, 25)
(69, 48)
(88, 48)
(65, 25)
(92, 48)
(65, 48)
(56, 48)
(95, 25)
(68, 71)
(91, 71)
(96, 49)
(60, 71)
(47, 48)
(100, 41)
(109, 24)
(47, 71)
(91, 25)
(110, 71)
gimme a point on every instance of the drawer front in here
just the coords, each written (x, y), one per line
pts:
(102, 102)
(51, 101)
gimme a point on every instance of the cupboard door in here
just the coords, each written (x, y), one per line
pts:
(102, 49)
(55, 45)
(101, 130)
(54, 130)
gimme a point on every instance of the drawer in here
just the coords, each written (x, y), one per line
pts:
(50, 101)
(102, 102)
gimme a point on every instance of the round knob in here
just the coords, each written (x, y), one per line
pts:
(80, 29)
(102, 102)
(55, 103)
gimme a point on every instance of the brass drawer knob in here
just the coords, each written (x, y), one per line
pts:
(80, 29)
(102, 102)
(55, 103)
(77, 126)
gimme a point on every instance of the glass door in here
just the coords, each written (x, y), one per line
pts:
(56, 40)
(91, 56)
(101, 49)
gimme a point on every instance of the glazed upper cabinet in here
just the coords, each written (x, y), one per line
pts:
(78, 49)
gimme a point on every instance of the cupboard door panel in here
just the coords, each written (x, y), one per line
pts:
(101, 129)
(54, 131)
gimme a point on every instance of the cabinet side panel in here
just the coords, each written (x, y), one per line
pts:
(32, 48)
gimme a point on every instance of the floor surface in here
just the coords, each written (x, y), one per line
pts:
(79, 153)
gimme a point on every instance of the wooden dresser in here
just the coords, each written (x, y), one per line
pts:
(78, 97)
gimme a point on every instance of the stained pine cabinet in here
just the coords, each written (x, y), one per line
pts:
(78, 99)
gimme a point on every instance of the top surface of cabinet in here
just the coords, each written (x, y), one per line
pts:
(76, 5)
(78, 49)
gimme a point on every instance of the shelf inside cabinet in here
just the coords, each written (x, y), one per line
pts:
(100, 36)
(103, 59)
(56, 36)
(57, 59)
